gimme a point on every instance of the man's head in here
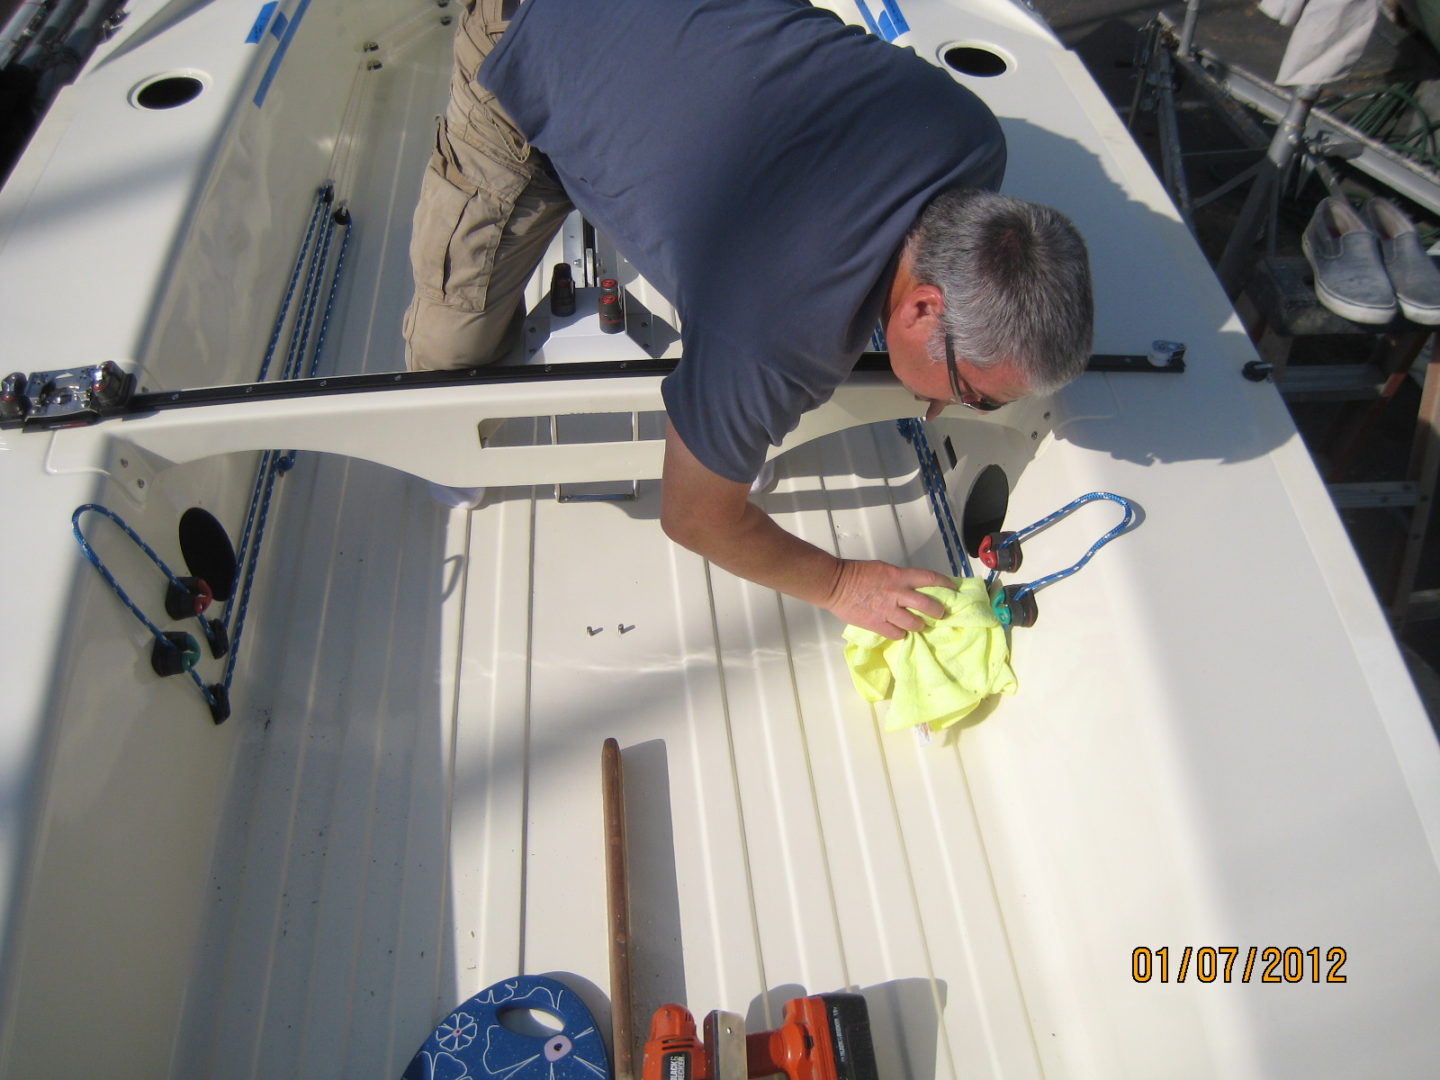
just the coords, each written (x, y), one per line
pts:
(1003, 287)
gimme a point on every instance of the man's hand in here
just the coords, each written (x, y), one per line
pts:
(875, 595)
(713, 517)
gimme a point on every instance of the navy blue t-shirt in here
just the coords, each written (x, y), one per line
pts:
(759, 162)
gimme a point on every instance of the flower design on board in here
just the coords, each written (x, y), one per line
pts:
(443, 1066)
(457, 1032)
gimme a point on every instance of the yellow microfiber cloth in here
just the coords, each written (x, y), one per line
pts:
(937, 675)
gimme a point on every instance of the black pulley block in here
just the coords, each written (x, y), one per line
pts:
(1023, 611)
(219, 638)
(175, 654)
(219, 703)
(190, 597)
(1000, 551)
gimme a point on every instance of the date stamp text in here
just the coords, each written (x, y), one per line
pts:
(1237, 964)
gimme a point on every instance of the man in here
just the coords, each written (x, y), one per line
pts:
(787, 181)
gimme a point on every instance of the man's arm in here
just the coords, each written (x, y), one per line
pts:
(714, 517)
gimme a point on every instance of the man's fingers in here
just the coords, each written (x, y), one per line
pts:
(917, 578)
(926, 605)
(907, 620)
(929, 579)
(886, 599)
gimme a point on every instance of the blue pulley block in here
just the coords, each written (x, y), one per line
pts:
(473, 1042)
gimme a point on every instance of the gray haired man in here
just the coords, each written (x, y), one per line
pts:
(787, 181)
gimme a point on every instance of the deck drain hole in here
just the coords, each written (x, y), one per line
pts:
(167, 92)
(985, 507)
(207, 551)
(976, 60)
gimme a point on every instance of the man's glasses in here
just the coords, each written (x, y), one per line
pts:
(981, 403)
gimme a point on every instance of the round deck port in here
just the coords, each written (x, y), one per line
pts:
(168, 91)
(981, 61)
(207, 551)
(985, 507)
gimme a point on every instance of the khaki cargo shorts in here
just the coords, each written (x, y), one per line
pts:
(488, 208)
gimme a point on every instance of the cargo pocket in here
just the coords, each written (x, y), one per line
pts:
(457, 231)
(479, 111)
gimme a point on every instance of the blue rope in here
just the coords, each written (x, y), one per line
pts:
(322, 199)
(330, 299)
(120, 592)
(312, 259)
(309, 301)
(272, 462)
(260, 491)
(1044, 523)
(96, 562)
(287, 462)
(934, 485)
(271, 465)
(242, 549)
(303, 258)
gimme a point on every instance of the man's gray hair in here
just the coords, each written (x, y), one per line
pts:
(1016, 280)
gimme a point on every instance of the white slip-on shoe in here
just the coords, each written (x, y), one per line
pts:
(1412, 273)
(1350, 277)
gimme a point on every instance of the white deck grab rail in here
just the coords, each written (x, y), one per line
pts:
(433, 432)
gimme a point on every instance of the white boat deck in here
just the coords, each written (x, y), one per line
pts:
(1214, 742)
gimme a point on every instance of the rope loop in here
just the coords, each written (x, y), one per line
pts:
(168, 646)
(1014, 605)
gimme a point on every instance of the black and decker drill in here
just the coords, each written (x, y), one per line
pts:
(825, 1037)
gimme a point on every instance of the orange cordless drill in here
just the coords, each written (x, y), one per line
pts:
(825, 1037)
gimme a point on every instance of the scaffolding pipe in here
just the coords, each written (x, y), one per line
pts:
(20, 28)
(1187, 28)
(1285, 144)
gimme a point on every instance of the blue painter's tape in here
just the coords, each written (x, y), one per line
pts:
(897, 18)
(869, 19)
(280, 50)
(257, 31)
(890, 23)
(277, 28)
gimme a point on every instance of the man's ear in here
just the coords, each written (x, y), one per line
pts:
(919, 305)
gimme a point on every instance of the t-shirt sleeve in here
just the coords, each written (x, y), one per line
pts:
(729, 407)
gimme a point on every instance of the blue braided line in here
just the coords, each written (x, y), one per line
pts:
(272, 462)
(287, 462)
(109, 578)
(934, 485)
(1049, 579)
(330, 300)
(305, 319)
(322, 197)
(243, 550)
(314, 271)
(270, 468)
(104, 570)
(940, 504)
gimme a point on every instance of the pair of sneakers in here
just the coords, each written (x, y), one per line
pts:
(1369, 265)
